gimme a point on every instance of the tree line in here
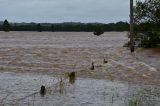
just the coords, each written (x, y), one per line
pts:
(147, 23)
(66, 26)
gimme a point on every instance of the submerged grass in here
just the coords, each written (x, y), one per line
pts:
(145, 97)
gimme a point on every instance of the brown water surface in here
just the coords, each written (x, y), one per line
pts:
(54, 54)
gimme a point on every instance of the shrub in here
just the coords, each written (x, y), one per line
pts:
(98, 31)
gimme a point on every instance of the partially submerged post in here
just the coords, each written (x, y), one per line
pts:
(61, 86)
(92, 67)
(131, 27)
(72, 77)
(42, 90)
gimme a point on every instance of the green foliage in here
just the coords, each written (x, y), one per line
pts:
(147, 22)
(147, 11)
(150, 39)
(68, 27)
(134, 102)
(52, 28)
(98, 30)
(6, 26)
(39, 28)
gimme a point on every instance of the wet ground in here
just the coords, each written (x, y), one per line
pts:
(32, 55)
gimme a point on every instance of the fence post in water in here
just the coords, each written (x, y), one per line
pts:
(72, 76)
(61, 86)
(42, 90)
(131, 27)
(92, 67)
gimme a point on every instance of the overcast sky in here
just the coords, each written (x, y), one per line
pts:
(56, 11)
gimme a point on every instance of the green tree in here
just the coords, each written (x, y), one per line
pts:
(52, 28)
(147, 11)
(6, 26)
(98, 30)
(39, 28)
(147, 22)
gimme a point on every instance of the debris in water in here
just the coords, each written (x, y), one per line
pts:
(105, 61)
(43, 90)
(132, 49)
(92, 67)
(61, 86)
(72, 77)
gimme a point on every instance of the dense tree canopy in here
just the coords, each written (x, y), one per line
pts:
(147, 11)
(147, 15)
(147, 23)
(69, 26)
(39, 28)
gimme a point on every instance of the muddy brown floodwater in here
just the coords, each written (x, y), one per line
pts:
(55, 54)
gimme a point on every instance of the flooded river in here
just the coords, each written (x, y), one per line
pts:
(23, 90)
(30, 59)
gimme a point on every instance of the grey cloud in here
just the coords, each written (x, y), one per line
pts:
(65, 10)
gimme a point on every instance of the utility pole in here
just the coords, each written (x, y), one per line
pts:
(131, 27)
